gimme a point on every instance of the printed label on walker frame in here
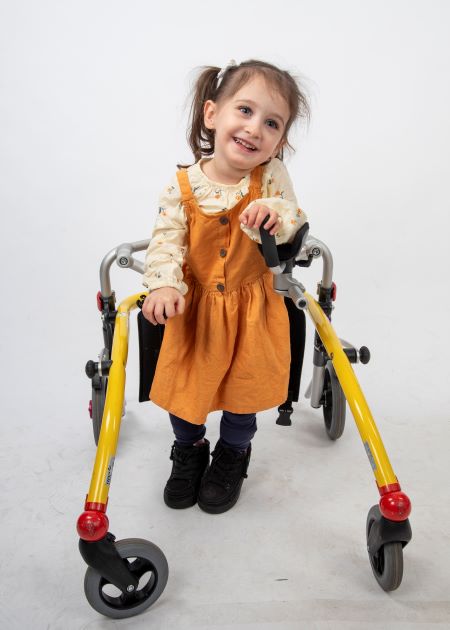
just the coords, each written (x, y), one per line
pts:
(109, 471)
(370, 456)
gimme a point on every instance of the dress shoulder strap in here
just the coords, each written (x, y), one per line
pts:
(256, 182)
(185, 185)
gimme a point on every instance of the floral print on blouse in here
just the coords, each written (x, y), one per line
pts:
(167, 248)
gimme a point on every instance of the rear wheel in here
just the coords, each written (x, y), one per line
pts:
(333, 404)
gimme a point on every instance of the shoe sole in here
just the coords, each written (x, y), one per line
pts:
(179, 505)
(219, 509)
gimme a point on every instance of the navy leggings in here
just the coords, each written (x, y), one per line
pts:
(236, 430)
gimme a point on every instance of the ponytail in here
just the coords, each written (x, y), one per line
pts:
(200, 138)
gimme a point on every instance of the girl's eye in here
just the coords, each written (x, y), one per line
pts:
(272, 123)
(244, 109)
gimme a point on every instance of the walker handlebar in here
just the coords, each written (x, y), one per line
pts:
(283, 283)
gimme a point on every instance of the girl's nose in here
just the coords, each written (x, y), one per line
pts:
(253, 129)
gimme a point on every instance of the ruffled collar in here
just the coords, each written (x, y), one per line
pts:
(198, 178)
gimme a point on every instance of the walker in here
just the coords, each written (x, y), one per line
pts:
(125, 577)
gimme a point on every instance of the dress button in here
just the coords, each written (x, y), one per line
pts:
(221, 288)
(223, 253)
(223, 220)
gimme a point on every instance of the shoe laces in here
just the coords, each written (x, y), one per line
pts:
(185, 461)
(225, 464)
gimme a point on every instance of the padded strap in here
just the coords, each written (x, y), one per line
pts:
(297, 327)
(150, 341)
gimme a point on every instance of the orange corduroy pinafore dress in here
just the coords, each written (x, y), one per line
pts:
(230, 349)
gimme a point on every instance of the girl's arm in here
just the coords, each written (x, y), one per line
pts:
(280, 199)
(165, 253)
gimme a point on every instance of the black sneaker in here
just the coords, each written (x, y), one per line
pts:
(222, 481)
(189, 464)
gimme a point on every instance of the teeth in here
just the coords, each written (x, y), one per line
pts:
(247, 146)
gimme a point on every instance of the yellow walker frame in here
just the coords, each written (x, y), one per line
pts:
(388, 528)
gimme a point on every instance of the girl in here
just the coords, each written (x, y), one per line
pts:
(226, 341)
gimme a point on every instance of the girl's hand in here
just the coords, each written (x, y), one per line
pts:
(253, 217)
(162, 304)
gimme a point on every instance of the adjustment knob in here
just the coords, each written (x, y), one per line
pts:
(364, 354)
(90, 368)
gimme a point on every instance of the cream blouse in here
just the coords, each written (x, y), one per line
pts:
(167, 248)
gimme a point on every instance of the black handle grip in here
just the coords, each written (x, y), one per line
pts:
(269, 248)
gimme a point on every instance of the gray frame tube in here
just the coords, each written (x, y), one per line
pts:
(318, 379)
(123, 255)
(316, 248)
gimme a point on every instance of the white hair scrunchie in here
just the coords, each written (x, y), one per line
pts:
(223, 70)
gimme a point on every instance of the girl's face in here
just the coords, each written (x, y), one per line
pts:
(249, 126)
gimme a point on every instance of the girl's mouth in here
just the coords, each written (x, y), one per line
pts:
(245, 145)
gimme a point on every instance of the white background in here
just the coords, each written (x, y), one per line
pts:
(92, 124)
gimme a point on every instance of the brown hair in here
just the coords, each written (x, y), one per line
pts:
(200, 138)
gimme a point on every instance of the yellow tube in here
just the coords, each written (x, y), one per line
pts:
(368, 431)
(112, 414)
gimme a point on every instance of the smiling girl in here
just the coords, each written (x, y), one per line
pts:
(226, 344)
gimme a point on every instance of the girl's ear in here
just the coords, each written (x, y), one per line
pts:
(209, 114)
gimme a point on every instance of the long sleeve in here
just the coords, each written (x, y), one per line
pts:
(165, 253)
(279, 196)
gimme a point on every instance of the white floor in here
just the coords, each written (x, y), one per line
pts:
(290, 555)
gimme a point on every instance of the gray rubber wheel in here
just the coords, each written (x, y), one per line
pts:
(149, 565)
(387, 563)
(98, 404)
(333, 404)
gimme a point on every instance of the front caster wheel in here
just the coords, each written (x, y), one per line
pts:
(149, 565)
(387, 562)
(333, 404)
